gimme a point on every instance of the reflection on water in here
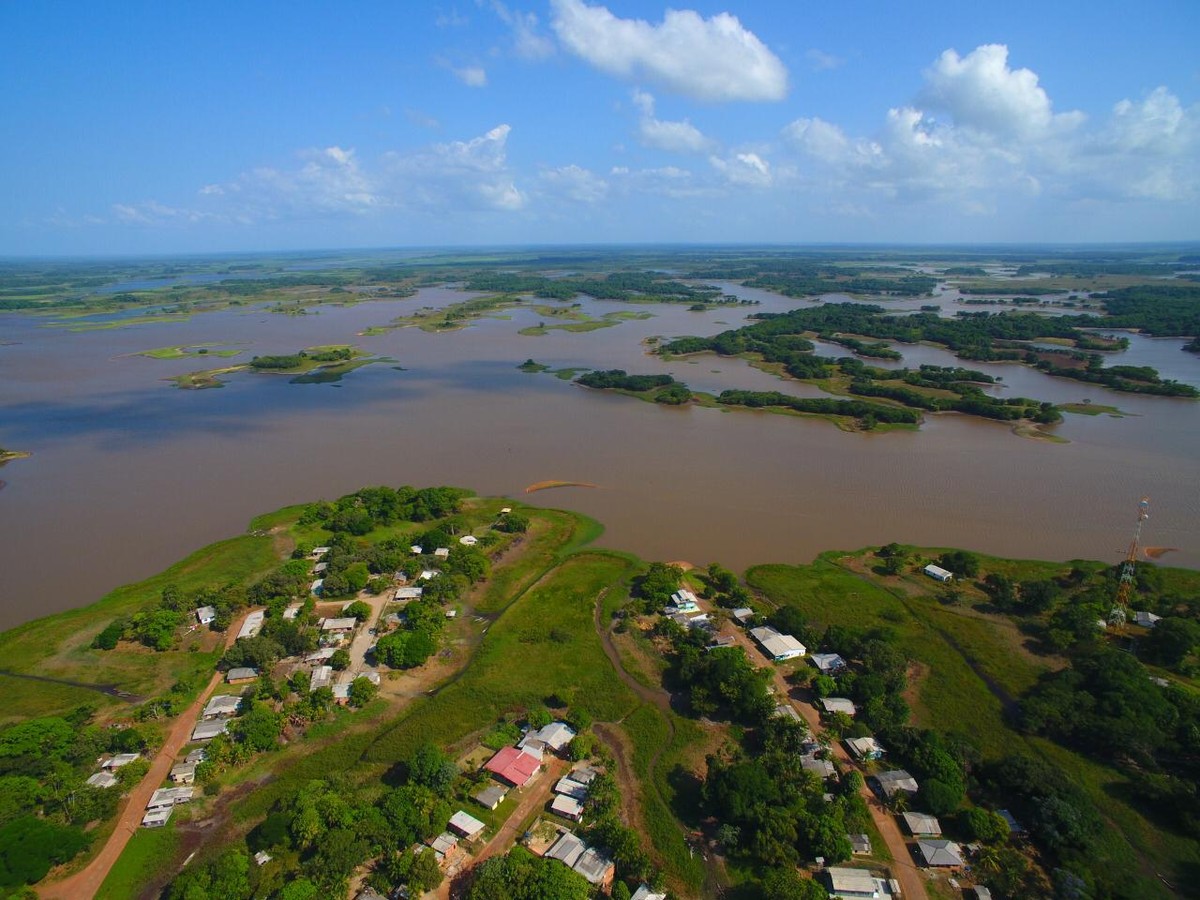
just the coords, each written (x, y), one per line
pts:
(129, 473)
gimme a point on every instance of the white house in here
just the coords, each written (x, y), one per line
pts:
(102, 780)
(827, 663)
(937, 573)
(864, 748)
(842, 705)
(221, 706)
(777, 646)
(466, 824)
(567, 807)
(205, 615)
(1146, 619)
(206, 731)
(556, 735)
(341, 625)
(468, 540)
(253, 624)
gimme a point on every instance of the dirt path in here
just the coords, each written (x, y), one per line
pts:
(538, 795)
(86, 882)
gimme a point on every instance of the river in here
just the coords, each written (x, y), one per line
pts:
(129, 474)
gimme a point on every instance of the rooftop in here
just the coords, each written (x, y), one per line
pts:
(466, 824)
(922, 823)
(567, 849)
(514, 766)
(593, 865)
(939, 853)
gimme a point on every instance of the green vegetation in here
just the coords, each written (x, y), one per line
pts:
(183, 352)
(147, 859)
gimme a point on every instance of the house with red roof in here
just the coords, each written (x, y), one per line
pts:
(515, 766)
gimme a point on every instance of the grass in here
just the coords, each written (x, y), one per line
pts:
(147, 857)
(76, 327)
(182, 352)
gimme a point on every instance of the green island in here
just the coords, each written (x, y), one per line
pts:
(191, 350)
(9, 455)
(1049, 741)
(315, 365)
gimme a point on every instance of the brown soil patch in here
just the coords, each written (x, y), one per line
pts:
(547, 485)
(1159, 552)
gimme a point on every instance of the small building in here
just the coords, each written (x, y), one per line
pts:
(828, 663)
(184, 773)
(293, 610)
(416, 549)
(742, 614)
(195, 757)
(318, 552)
(787, 711)
(939, 854)
(570, 788)
(822, 768)
(895, 782)
(322, 676)
(406, 594)
(102, 780)
(317, 587)
(113, 763)
(428, 574)
(863, 748)
(444, 844)
(490, 797)
(594, 866)
(468, 540)
(320, 568)
(241, 675)
(776, 646)
(206, 731)
(921, 824)
(841, 705)
(682, 596)
(341, 693)
(583, 774)
(567, 807)
(567, 849)
(157, 818)
(515, 766)
(253, 624)
(1146, 619)
(852, 884)
(644, 893)
(442, 552)
(981, 892)
(937, 573)
(221, 706)
(343, 625)
(556, 736)
(860, 844)
(504, 511)
(466, 824)
(321, 656)
(722, 642)
(262, 857)
(206, 614)
(169, 797)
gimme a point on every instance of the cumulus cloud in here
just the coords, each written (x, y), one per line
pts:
(470, 174)
(471, 76)
(674, 137)
(744, 169)
(981, 91)
(528, 41)
(574, 183)
(715, 59)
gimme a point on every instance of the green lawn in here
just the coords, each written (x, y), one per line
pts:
(147, 856)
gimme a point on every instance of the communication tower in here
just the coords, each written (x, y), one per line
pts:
(1129, 569)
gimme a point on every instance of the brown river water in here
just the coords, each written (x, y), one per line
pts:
(129, 474)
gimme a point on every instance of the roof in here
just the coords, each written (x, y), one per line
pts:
(787, 711)
(1013, 825)
(183, 770)
(572, 788)
(169, 797)
(345, 623)
(583, 774)
(102, 780)
(118, 760)
(206, 731)
(938, 571)
(196, 756)
(865, 746)
(253, 624)
(777, 645)
(320, 655)
(566, 806)
(644, 893)
(820, 767)
(409, 593)
(262, 857)
(514, 766)
(466, 824)
(222, 705)
(567, 849)
(556, 735)
(491, 797)
(896, 781)
(321, 677)
(828, 662)
(922, 823)
(859, 843)
(205, 614)
(444, 843)
(683, 595)
(742, 613)
(858, 882)
(839, 705)
(292, 611)
(940, 853)
(982, 893)
(593, 865)
(468, 540)
(155, 817)
(1146, 619)
(442, 552)
(319, 551)
(241, 672)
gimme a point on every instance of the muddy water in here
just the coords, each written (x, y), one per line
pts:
(129, 473)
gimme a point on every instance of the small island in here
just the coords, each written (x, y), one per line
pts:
(315, 365)
(9, 455)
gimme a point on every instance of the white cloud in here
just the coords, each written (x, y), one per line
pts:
(470, 174)
(820, 61)
(674, 137)
(528, 41)
(714, 59)
(471, 76)
(574, 183)
(744, 169)
(980, 91)
(818, 138)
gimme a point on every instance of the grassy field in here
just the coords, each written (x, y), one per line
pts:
(147, 857)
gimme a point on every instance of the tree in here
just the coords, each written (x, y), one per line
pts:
(539, 717)
(960, 562)
(259, 729)
(362, 691)
(340, 661)
(985, 825)
(432, 768)
(1171, 641)
(359, 609)
(786, 884)
(416, 868)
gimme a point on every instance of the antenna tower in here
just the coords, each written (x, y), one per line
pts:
(1129, 569)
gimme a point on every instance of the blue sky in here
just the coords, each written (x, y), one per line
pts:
(161, 127)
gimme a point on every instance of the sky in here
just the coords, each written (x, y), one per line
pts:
(149, 127)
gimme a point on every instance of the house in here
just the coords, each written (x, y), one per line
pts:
(775, 645)
(822, 768)
(444, 844)
(982, 893)
(491, 797)
(262, 857)
(318, 552)
(184, 773)
(427, 574)
(156, 818)
(341, 693)
(515, 766)
(937, 573)
(343, 625)
(860, 844)
(583, 774)
(241, 675)
(594, 866)
(206, 614)
(316, 587)
(442, 552)
(408, 593)
(293, 610)
(853, 883)
(221, 706)
(828, 663)
(466, 824)
(896, 781)
(787, 711)
(922, 824)
(533, 747)
(321, 656)
(940, 854)
(722, 642)
(833, 705)
(322, 676)
(864, 748)
(253, 624)
(320, 567)
(416, 550)
(682, 596)
(468, 540)
(196, 756)
(567, 807)
(570, 787)
(102, 780)
(556, 736)
(505, 510)
(121, 759)
(644, 893)
(567, 849)
(206, 731)
(743, 614)
(169, 797)
(1145, 619)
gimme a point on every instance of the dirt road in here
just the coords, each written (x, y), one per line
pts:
(86, 882)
